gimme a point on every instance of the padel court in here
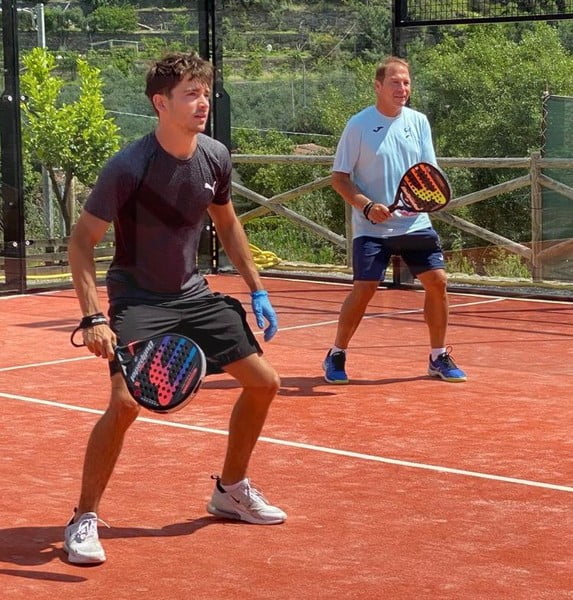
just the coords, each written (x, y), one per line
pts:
(398, 486)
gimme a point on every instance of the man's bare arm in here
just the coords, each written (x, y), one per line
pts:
(86, 234)
(232, 235)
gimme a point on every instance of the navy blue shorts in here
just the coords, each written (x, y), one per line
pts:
(421, 250)
(216, 322)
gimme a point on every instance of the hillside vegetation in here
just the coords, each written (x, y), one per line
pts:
(296, 71)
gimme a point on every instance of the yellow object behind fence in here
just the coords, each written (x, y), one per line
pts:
(264, 258)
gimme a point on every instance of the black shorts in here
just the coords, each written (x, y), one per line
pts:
(216, 322)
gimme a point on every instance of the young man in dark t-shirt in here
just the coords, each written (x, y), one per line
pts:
(156, 192)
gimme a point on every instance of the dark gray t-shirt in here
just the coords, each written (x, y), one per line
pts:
(157, 204)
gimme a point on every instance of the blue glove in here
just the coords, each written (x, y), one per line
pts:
(263, 309)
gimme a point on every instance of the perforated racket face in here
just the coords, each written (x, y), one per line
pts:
(162, 373)
(424, 188)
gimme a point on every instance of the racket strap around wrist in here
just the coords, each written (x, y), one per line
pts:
(87, 322)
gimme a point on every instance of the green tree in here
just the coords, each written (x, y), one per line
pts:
(339, 102)
(481, 87)
(74, 138)
(482, 91)
(374, 33)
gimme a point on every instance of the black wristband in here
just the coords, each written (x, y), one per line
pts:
(92, 321)
(366, 210)
(86, 323)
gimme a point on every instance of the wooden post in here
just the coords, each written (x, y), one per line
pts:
(536, 219)
(348, 233)
(72, 202)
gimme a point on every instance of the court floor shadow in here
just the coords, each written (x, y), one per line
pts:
(316, 386)
(313, 386)
(43, 575)
(35, 546)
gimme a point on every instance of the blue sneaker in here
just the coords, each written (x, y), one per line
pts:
(333, 366)
(445, 367)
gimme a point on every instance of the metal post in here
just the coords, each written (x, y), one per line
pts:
(303, 84)
(46, 183)
(222, 101)
(395, 28)
(211, 48)
(40, 25)
(11, 154)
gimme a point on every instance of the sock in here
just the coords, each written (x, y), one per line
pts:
(436, 352)
(234, 486)
(337, 349)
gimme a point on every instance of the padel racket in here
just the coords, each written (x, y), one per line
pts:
(424, 188)
(162, 373)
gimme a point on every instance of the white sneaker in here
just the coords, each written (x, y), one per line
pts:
(81, 540)
(244, 504)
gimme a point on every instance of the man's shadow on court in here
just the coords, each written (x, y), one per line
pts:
(312, 386)
(36, 546)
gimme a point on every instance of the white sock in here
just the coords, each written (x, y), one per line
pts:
(235, 486)
(436, 352)
(337, 349)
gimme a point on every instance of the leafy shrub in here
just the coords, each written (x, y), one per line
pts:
(290, 243)
(113, 19)
(181, 23)
(507, 264)
(270, 232)
(456, 261)
(58, 19)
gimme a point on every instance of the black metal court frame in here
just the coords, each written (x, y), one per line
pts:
(13, 248)
(13, 245)
(419, 13)
(415, 13)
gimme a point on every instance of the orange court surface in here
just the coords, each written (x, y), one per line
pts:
(398, 486)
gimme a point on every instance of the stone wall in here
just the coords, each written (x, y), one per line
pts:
(285, 29)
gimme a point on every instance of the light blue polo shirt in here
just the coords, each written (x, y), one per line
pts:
(376, 151)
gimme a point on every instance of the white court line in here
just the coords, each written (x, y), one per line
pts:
(47, 363)
(451, 292)
(388, 314)
(312, 447)
(32, 295)
(294, 327)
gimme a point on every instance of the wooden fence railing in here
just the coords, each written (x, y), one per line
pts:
(535, 253)
(48, 258)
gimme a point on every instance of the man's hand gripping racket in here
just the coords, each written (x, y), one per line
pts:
(424, 188)
(162, 373)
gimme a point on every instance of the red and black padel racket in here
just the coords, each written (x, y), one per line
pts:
(424, 188)
(162, 373)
